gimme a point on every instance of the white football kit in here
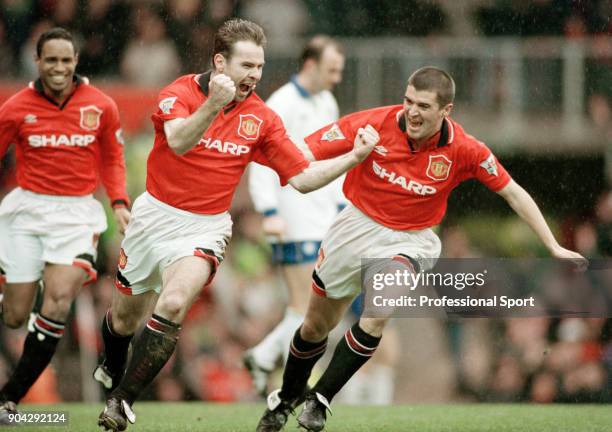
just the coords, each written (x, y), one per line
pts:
(307, 216)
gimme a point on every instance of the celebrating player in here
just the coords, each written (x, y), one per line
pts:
(396, 195)
(296, 223)
(208, 127)
(66, 134)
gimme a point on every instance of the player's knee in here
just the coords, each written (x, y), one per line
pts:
(56, 305)
(14, 318)
(373, 326)
(314, 330)
(172, 306)
(124, 322)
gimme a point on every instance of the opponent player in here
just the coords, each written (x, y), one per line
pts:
(208, 127)
(296, 223)
(396, 195)
(66, 133)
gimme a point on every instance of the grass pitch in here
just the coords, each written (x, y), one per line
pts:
(205, 417)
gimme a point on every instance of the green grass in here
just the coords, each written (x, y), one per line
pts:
(198, 416)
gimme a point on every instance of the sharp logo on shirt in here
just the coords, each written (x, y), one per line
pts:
(332, 134)
(490, 166)
(224, 146)
(409, 185)
(61, 140)
(381, 150)
(90, 117)
(249, 126)
(30, 118)
(165, 105)
(439, 167)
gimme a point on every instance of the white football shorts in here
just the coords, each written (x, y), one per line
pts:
(354, 236)
(159, 235)
(36, 229)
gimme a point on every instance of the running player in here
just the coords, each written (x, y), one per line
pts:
(208, 127)
(66, 134)
(396, 195)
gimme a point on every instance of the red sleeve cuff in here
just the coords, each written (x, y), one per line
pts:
(298, 169)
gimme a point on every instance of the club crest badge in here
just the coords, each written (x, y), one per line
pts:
(249, 126)
(439, 167)
(90, 117)
(332, 134)
(490, 166)
(122, 259)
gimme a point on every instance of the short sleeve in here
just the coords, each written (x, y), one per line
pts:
(173, 102)
(278, 152)
(485, 167)
(333, 140)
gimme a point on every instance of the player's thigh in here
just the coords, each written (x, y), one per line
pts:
(323, 315)
(62, 285)
(182, 282)
(298, 278)
(128, 311)
(71, 227)
(17, 302)
(20, 249)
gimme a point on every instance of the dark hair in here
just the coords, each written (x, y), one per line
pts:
(236, 30)
(54, 33)
(430, 78)
(315, 47)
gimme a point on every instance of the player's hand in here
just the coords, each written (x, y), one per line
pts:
(274, 226)
(221, 90)
(122, 216)
(365, 141)
(579, 261)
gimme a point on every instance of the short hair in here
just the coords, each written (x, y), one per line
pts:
(54, 33)
(314, 48)
(430, 78)
(236, 30)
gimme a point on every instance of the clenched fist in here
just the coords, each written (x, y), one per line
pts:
(365, 140)
(221, 90)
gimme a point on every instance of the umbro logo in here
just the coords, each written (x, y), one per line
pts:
(30, 118)
(381, 150)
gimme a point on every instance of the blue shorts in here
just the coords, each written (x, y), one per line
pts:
(295, 252)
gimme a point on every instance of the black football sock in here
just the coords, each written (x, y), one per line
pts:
(115, 347)
(38, 349)
(353, 350)
(302, 357)
(150, 352)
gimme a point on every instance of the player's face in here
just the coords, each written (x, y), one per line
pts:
(329, 69)
(423, 114)
(56, 65)
(244, 67)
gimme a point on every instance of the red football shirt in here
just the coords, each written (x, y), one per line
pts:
(61, 150)
(204, 179)
(397, 186)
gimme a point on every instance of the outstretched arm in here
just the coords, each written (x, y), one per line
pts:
(524, 206)
(320, 173)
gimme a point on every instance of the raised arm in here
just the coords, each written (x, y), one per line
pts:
(320, 173)
(524, 206)
(184, 133)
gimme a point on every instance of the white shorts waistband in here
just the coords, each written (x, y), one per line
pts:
(183, 213)
(56, 198)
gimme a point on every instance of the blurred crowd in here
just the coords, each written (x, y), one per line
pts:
(151, 42)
